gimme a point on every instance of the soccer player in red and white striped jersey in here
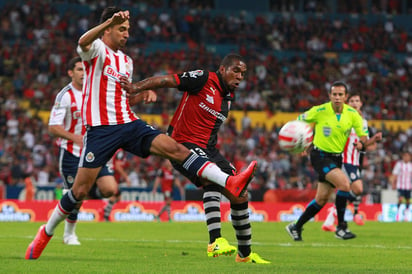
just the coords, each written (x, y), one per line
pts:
(65, 123)
(111, 124)
(401, 179)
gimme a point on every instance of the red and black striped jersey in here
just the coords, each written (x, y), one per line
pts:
(203, 108)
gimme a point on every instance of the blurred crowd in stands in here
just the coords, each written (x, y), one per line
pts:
(37, 39)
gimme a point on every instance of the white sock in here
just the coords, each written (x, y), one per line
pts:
(213, 173)
(69, 228)
(56, 218)
(330, 219)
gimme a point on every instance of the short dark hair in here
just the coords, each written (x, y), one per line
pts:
(353, 94)
(108, 13)
(229, 59)
(339, 84)
(72, 62)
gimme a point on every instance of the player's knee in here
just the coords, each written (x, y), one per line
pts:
(109, 191)
(171, 149)
(80, 193)
(357, 191)
(322, 201)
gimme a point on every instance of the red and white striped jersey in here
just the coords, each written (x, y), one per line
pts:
(104, 101)
(66, 112)
(403, 172)
(350, 153)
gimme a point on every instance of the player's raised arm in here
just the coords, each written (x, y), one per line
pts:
(87, 38)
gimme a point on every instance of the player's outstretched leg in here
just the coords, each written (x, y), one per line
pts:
(237, 184)
(39, 243)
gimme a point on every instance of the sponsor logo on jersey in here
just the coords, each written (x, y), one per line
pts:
(215, 113)
(111, 72)
(210, 99)
(213, 90)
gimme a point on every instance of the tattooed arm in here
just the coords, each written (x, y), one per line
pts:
(155, 82)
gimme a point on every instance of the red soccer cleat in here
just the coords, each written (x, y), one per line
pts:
(358, 219)
(39, 243)
(329, 228)
(237, 184)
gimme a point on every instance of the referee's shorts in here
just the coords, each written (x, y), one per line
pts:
(323, 162)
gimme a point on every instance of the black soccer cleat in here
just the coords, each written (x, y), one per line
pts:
(342, 232)
(294, 232)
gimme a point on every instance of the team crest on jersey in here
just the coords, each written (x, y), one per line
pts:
(210, 99)
(70, 179)
(90, 157)
(77, 114)
(327, 131)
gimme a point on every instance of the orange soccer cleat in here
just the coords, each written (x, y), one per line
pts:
(238, 184)
(358, 219)
(329, 228)
(39, 243)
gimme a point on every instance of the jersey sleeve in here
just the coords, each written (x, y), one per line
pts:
(192, 81)
(309, 115)
(360, 127)
(97, 48)
(396, 169)
(60, 108)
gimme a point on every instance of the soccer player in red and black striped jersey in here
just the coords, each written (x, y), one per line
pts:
(204, 107)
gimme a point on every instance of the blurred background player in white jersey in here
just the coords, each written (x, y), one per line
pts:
(66, 123)
(401, 179)
(352, 166)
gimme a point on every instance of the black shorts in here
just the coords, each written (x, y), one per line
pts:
(353, 172)
(103, 141)
(405, 193)
(212, 155)
(323, 162)
(68, 165)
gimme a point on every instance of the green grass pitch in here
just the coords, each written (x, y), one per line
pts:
(181, 248)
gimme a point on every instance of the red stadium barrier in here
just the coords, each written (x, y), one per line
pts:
(92, 211)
